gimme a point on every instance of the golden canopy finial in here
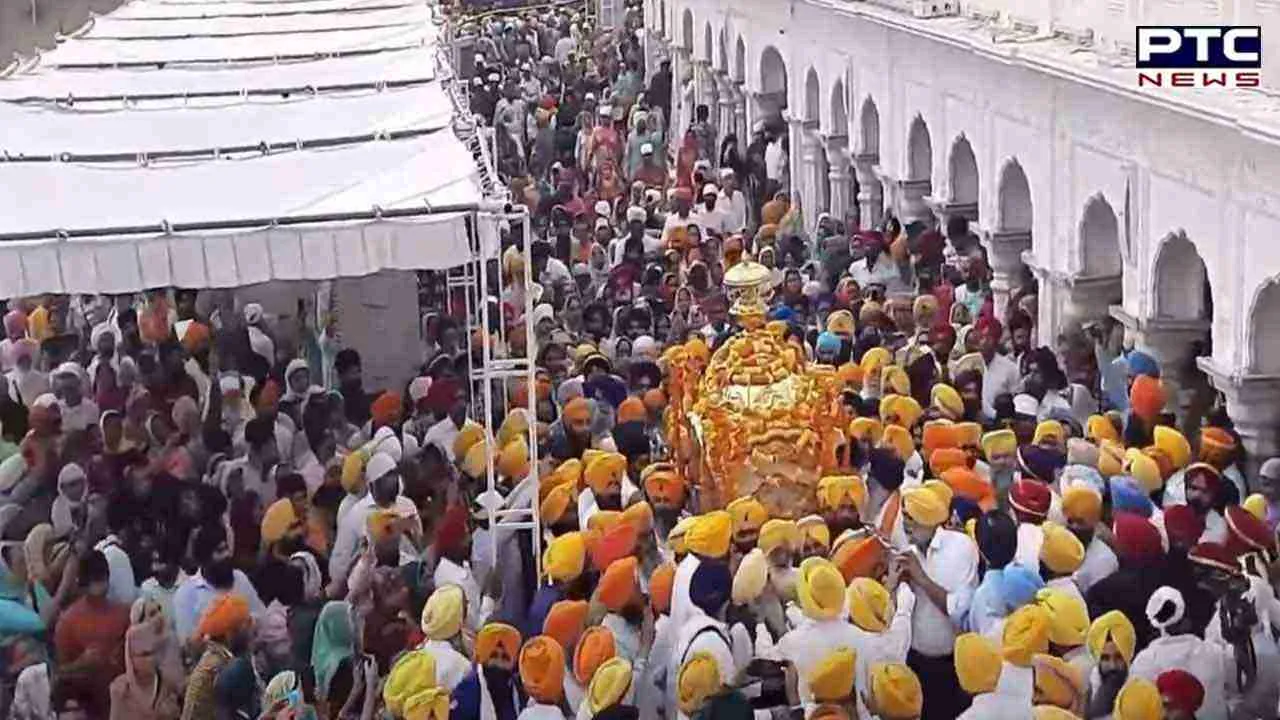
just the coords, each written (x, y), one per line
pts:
(748, 285)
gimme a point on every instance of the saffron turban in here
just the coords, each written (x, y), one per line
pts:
(779, 533)
(1112, 627)
(443, 613)
(595, 646)
(663, 484)
(605, 472)
(1216, 445)
(873, 360)
(639, 515)
(382, 525)
(895, 691)
(565, 621)
(820, 588)
(710, 534)
(1146, 397)
(831, 680)
(1061, 551)
(977, 662)
(632, 410)
(609, 685)
(661, 584)
(968, 435)
(835, 490)
(277, 520)
(944, 459)
(1026, 634)
(747, 513)
(698, 680)
(815, 528)
(1057, 682)
(470, 435)
(1068, 617)
(542, 669)
(750, 579)
(935, 435)
(866, 428)
(969, 485)
(858, 557)
(612, 544)
(1082, 503)
(1139, 699)
(555, 505)
(928, 504)
(869, 604)
(224, 616)
(618, 584)
(1174, 445)
(496, 636)
(1052, 712)
(565, 557)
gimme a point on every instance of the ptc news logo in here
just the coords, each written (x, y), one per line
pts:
(1201, 56)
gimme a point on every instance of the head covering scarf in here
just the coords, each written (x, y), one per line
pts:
(542, 669)
(333, 642)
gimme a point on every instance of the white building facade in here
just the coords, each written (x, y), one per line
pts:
(1159, 207)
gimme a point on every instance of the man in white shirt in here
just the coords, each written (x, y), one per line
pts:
(680, 216)
(732, 202)
(942, 569)
(706, 216)
(775, 161)
(216, 576)
(78, 412)
(1000, 375)
(383, 479)
(1082, 508)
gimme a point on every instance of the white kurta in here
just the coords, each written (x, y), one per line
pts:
(1209, 662)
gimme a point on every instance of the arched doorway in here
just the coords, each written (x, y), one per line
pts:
(917, 183)
(963, 177)
(1264, 331)
(1179, 330)
(818, 193)
(842, 185)
(1182, 282)
(1100, 240)
(773, 83)
(686, 30)
(870, 193)
(1015, 218)
(1014, 196)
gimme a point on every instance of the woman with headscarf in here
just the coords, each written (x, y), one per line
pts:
(68, 513)
(25, 382)
(332, 653)
(143, 691)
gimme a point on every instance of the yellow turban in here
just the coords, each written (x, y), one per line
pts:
(1144, 469)
(1110, 458)
(224, 616)
(897, 437)
(678, 539)
(1026, 634)
(967, 434)
(515, 425)
(276, 522)
(999, 442)
(840, 322)
(443, 614)
(567, 472)
(1052, 712)
(603, 520)
(1099, 428)
(698, 680)
(1057, 682)
(750, 579)
(873, 360)
(978, 663)
(1082, 502)
(815, 528)
(900, 410)
(556, 504)
(779, 533)
(1256, 504)
(470, 434)
(1049, 430)
(1139, 699)
(947, 401)
(866, 428)
(1174, 444)
(1113, 627)
(894, 379)
(412, 674)
(747, 513)
(925, 505)
(542, 669)
(870, 606)
(382, 524)
(605, 472)
(831, 680)
(1061, 551)
(476, 462)
(710, 534)
(834, 490)
(609, 685)
(1068, 617)
(513, 460)
(353, 471)
(565, 557)
(820, 587)
(895, 692)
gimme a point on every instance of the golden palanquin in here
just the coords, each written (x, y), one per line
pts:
(754, 418)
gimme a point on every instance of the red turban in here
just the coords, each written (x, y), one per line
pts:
(452, 529)
(386, 410)
(1212, 478)
(440, 396)
(1246, 533)
(1137, 540)
(1031, 497)
(269, 396)
(1146, 397)
(1214, 555)
(989, 325)
(1184, 525)
(1180, 690)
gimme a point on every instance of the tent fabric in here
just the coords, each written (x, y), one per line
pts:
(43, 130)
(432, 168)
(390, 66)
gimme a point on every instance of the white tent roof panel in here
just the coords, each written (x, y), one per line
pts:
(390, 66)
(110, 26)
(45, 130)
(158, 10)
(107, 52)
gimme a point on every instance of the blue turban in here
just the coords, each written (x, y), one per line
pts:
(782, 312)
(1129, 496)
(964, 509)
(1082, 475)
(997, 537)
(710, 586)
(605, 388)
(1040, 462)
(1141, 363)
(886, 468)
(1018, 585)
(828, 344)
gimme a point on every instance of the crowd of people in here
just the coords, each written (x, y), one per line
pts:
(205, 515)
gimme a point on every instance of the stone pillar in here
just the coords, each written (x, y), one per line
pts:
(814, 178)
(795, 171)
(946, 209)
(741, 124)
(1170, 343)
(1253, 402)
(870, 191)
(837, 147)
(681, 112)
(705, 88)
(911, 200)
(1005, 252)
(725, 118)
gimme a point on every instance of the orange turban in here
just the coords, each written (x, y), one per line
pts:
(386, 409)
(196, 337)
(640, 516)
(967, 434)
(857, 558)
(661, 583)
(1146, 397)
(663, 484)
(632, 410)
(1216, 445)
(937, 434)
(577, 410)
(223, 617)
(594, 647)
(605, 472)
(565, 621)
(944, 459)
(494, 636)
(613, 544)
(542, 669)
(556, 503)
(269, 396)
(618, 584)
(654, 399)
(969, 485)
